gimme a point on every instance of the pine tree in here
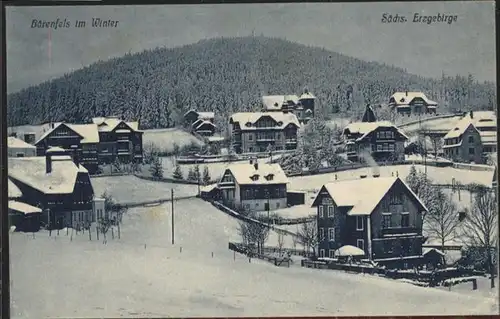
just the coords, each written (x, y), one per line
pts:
(206, 176)
(191, 175)
(177, 172)
(197, 173)
(156, 168)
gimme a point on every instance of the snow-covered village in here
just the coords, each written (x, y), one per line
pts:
(158, 184)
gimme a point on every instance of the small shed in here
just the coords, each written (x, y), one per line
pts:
(19, 148)
(24, 217)
(433, 257)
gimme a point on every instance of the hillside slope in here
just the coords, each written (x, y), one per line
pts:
(227, 75)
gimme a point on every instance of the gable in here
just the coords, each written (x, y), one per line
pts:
(401, 185)
(60, 130)
(227, 177)
(205, 126)
(266, 121)
(122, 126)
(322, 194)
(191, 113)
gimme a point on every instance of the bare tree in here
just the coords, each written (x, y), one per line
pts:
(104, 224)
(254, 234)
(443, 222)
(308, 236)
(481, 225)
(281, 242)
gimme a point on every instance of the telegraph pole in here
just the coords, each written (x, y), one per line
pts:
(172, 198)
(48, 222)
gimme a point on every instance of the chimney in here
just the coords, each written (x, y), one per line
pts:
(362, 176)
(406, 92)
(48, 163)
(256, 165)
(471, 114)
(251, 161)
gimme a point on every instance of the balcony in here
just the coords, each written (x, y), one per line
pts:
(400, 231)
(226, 185)
(265, 139)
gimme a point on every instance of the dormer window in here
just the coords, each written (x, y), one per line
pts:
(402, 100)
(269, 177)
(248, 124)
(280, 123)
(254, 177)
(276, 104)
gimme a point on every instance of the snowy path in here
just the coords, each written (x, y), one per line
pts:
(60, 278)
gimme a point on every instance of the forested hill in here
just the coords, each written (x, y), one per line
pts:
(227, 75)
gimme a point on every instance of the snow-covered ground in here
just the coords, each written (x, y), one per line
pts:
(126, 189)
(164, 138)
(441, 175)
(433, 124)
(55, 277)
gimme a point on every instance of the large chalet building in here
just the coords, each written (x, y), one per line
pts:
(57, 184)
(302, 107)
(407, 103)
(104, 141)
(473, 137)
(380, 215)
(255, 131)
(382, 140)
(253, 186)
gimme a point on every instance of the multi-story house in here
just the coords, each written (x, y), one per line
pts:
(463, 143)
(255, 131)
(201, 123)
(118, 140)
(383, 141)
(57, 184)
(380, 215)
(254, 186)
(407, 103)
(19, 148)
(103, 141)
(302, 107)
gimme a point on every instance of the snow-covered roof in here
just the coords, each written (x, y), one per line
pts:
(366, 128)
(405, 98)
(23, 207)
(283, 119)
(13, 190)
(215, 138)
(426, 250)
(32, 171)
(243, 173)
(363, 194)
(13, 142)
(307, 95)
(206, 115)
(460, 128)
(89, 132)
(110, 123)
(204, 123)
(275, 102)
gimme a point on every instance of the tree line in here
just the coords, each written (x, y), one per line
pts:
(226, 75)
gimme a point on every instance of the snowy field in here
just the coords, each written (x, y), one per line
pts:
(125, 189)
(435, 124)
(58, 278)
(441, 175)
(164, 139)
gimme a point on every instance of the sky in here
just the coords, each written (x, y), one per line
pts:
(355, 29)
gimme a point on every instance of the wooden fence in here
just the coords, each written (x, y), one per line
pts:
(152, 202)
(245, 250)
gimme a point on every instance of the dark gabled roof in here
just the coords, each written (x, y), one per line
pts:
(369, 115)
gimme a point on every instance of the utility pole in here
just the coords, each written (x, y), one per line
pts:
(268, 208)
(48, 222)
(172, 199)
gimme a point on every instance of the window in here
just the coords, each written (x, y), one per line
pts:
(361, 244)
(331, 234)
(471, 150)
(250, 137)
(359, 223)
(379, 147)
(331, 211)
(321, 253)
(405, 219)
(471, 139)
(331, 253)
(19, 154)
(321, 234)
(391, 147)
(386, 220)
(320, 211)
(388, 246)
(277, 205)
